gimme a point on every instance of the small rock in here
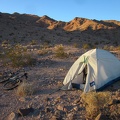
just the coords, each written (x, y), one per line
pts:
(48, 99)
(61, 69)
(29, 105)
(22, 99)
(54, 118)
(70, 116)
(81, 105)
(112, 102)
(12, 116)
(58, 98)
(117, 94)
(76, 102)
(58, 114)
(48, 103)
(25, 111)
(60, 107)
(101, 117)
(65, 109)
(75, 108)
(37, 97)
(47, 109)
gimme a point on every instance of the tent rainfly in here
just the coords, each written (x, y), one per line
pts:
(94, 70)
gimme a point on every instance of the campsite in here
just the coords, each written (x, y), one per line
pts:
(47, 49)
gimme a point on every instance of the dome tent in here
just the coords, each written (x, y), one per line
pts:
(93, 70)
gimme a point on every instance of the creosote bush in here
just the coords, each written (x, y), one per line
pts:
(18, 57)
(42, 52)
(60, 52)
(33, 42)
(5, 43)
(25, 89)
(94, 102)
(86, 46)
(76, 45)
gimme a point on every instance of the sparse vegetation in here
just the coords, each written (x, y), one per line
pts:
(33, 42)
(42, 52)
(25, 89)
(5, 43)
(46, 44)
(118, 48)
(106, 47)
(60, 52)
(86, 46)
(76, 45)
(89, 46)
(18, 56)
(95, 103)
(109, 48)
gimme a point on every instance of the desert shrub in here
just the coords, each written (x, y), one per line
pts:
(42, 52)
(46, 44)
(76, 45)
(118, 48)
(95, 102)
(86, 46)
(18, 56)
(5, 43)
(96, 43)
(106, 47)
(33, 42)
(115, 43)
(115, 111)
(111, 48)
(25, 89)
(60, 52)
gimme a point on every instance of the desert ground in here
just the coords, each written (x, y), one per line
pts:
(40, 37)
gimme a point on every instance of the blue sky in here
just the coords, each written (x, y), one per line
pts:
(65, 10)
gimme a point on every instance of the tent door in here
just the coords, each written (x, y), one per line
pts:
(84, 74)
(80, 80)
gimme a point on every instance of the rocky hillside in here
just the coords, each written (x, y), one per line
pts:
(25, 27)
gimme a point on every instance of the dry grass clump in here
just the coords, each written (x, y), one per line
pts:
(95, 102)
(25, 89)
(60, 52)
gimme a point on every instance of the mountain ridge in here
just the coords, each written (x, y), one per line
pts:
(76, 24)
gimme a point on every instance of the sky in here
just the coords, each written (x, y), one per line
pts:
(65, 10)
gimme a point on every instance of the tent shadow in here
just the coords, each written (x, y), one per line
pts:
(47, 91)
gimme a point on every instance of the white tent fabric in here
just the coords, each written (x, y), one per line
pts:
(102, 68)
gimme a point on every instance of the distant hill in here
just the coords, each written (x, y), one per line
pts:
(24, 27)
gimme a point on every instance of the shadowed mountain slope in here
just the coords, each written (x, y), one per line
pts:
(27, 27)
